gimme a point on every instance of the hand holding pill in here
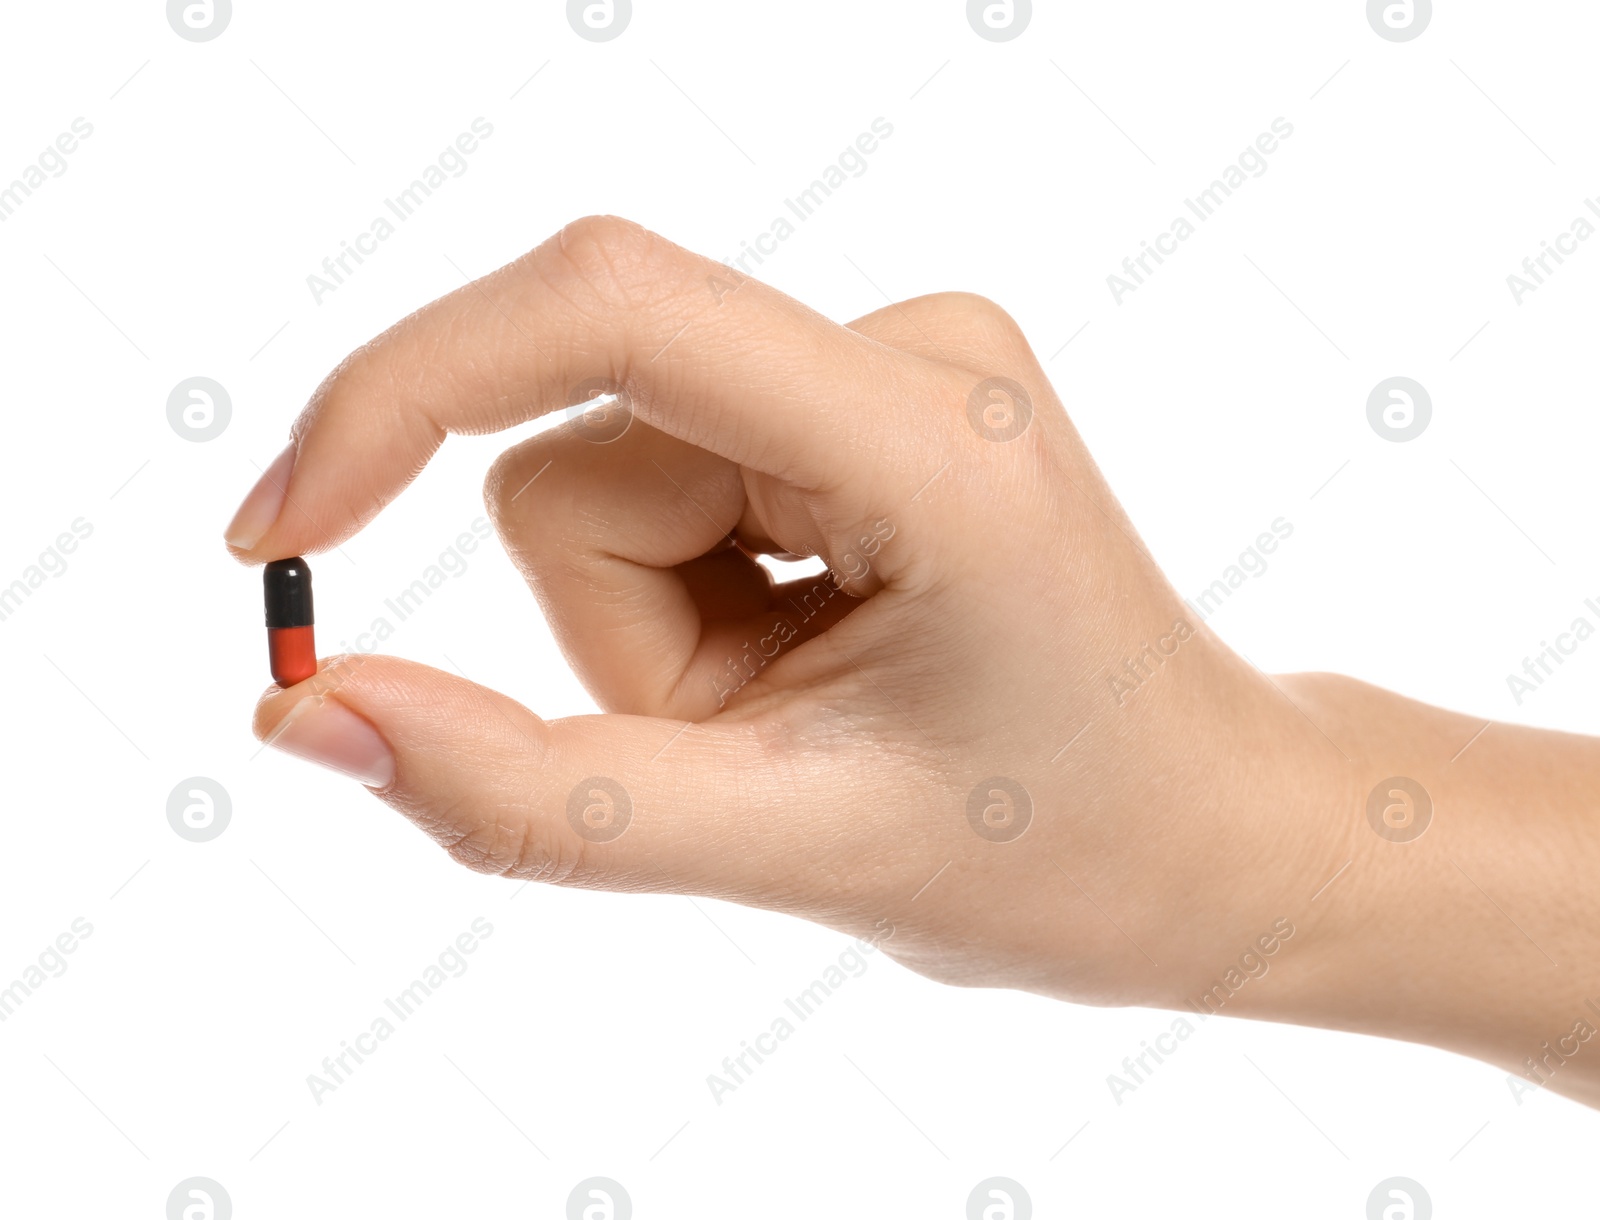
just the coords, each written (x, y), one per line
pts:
(943, 738)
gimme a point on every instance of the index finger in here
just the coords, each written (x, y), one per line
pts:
(701, 351)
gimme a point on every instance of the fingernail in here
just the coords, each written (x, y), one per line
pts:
(262, 506)
(325, 731)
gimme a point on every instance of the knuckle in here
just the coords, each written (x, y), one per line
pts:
(357, 374)
(552, 857)
(988, 320)
(508, 478)
(496, 495)
(549, 528)
(519, 846)
(961, 329)
(604, 254)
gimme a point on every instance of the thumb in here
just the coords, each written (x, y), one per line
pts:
(605, 802)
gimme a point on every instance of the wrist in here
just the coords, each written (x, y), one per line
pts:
(1280, 800)
(1453, 909)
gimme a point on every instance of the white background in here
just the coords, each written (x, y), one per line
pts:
(1223, 394)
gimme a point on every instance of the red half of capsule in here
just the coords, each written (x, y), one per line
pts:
(293, 654)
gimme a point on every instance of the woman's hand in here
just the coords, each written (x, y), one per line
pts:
(996, 741)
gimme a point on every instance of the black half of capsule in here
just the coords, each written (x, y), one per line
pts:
(287, 583)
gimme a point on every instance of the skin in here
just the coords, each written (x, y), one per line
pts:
(986, 598)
